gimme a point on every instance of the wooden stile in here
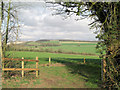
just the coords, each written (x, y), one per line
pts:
(22, 69)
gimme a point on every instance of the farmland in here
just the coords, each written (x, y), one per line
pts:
(67, 70)
(58, 47)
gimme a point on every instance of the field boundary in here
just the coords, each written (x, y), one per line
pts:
(87, 54)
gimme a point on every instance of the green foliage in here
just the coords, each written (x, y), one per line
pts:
(106, 17)
(109, 42)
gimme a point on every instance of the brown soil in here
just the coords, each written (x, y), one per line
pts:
(59, 64)
(56, 82)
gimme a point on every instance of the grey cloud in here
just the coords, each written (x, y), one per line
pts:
(40, 24)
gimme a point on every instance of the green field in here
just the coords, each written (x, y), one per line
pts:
(68, 72)
(71, 47)
(87, 48)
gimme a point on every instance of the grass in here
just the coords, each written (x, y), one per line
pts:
(52, 77)
(43, 56)
(78, 43)
(74, 48)
(74, 74)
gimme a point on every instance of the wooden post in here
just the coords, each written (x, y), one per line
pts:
(22, 67)
(36, 67)
(49, 60)
(84, 60)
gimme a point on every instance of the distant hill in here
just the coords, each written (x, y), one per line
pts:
(42, 40)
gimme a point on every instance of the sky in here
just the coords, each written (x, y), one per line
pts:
(37, 22)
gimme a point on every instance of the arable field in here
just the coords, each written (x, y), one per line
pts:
(65, 71)
(83, 48)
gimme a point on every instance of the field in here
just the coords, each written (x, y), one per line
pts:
(83, 48)
(65, 71)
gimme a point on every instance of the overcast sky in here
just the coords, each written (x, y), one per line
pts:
(39, 23)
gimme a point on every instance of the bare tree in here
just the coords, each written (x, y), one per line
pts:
(1, 21)
(8, 26)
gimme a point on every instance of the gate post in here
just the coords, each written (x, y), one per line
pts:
(22, 67)
(36, 67)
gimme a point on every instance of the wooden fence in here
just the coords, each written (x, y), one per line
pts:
(22, 69)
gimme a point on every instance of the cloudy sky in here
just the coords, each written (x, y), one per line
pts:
(39, 23)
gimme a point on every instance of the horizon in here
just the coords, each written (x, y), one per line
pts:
(56, 40)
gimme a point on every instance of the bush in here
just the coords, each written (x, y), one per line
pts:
(12, 64)
(60, 51)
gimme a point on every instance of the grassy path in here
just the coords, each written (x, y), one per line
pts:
(50, 77)
(58, 77)
(74, 75)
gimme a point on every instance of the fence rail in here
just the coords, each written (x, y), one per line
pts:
(22, 69)
(20, 59)
(19, 69)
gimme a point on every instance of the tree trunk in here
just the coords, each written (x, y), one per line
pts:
(1, 12)
(7, 28)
